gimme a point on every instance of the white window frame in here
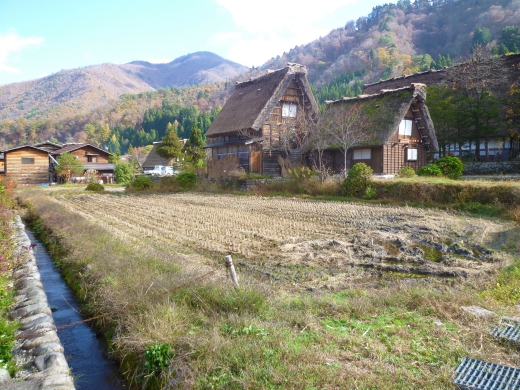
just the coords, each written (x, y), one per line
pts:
(405, 127)
(362, 154)
(289, 110)
(411, 154)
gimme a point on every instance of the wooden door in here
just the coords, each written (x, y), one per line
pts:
(256, 162)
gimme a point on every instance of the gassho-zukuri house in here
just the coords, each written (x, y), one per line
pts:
(398, 130)
(259, 110)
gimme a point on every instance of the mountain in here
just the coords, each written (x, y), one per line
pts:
(401, 38)
(394, 39)
(72, 92)
(197, 68)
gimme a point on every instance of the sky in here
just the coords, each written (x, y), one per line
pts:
(38, 38)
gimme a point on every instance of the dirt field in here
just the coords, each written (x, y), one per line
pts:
(318, 245)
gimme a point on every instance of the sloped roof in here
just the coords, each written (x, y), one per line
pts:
(154, 159)
(385, 110)
(253, 100)
(25, 146)
(72, 147)
(48, 145)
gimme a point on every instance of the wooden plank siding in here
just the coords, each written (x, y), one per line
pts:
(270, 164)
(395, 158)
(34, 173)
(83, 152)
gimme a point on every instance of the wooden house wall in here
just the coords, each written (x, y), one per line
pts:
(414, 138)
(36, 173)
(81, 154)
(242, 152)
(395, 152)
(395, 158)
(270, 164)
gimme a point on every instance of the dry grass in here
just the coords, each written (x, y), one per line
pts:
(310, 312)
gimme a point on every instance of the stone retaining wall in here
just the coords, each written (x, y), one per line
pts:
(40, 354)
(492, 168)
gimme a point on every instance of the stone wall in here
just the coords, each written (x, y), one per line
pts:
(39, 351)
(492, 168)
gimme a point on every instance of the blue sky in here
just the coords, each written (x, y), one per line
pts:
(38, 38)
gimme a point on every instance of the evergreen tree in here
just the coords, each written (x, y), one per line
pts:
(481, 36)
(449, 62)
(503, 49)
(494, 51)
(195, 153)
(510, 37)
(171, 147)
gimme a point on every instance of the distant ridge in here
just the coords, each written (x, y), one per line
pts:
(75, 91)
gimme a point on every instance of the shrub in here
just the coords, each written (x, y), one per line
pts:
(141, 183)
(91, 175)
(228, 167)
(300, 173)
(450, 166)
(430, 170)
(186, 181)
(93, 186)
(358, 180)
(406, 172)
(123, 172)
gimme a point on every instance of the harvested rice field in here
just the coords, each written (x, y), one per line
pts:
(333, 295)
(315, 244)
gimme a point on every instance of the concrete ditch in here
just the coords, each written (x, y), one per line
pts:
(39, 353)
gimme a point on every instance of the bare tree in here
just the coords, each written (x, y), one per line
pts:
(344, 126)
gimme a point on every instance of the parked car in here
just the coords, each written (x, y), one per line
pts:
(161, 170)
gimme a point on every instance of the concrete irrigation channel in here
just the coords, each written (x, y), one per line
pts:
(56, 357)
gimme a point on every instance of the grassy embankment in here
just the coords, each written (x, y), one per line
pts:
(268, 335)
(7, 263)
(479, 197)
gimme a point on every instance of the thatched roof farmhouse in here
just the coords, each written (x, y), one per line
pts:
(398, 130)
(258, 114)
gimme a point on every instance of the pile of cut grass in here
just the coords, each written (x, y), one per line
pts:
(269, 335)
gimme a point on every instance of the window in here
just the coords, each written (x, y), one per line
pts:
(405, 127)
(289, 110)
(411, 154)
(27, 160)
(92, 159)
(362, 154)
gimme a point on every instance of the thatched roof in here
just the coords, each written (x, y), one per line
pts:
(385, 110)
(154, 159)
(253, 100)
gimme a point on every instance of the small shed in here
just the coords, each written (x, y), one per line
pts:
(399, 134)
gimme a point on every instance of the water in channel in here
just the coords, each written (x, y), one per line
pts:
(85, 352)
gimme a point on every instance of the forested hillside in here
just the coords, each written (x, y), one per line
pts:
(394, 39)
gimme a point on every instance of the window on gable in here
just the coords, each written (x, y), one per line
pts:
(405, 127)
(289, 110)
(92, 159)
(411, 154)
(27, 160)
(362, 154)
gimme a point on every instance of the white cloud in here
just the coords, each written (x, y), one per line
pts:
(11, 42)
(273, 26)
